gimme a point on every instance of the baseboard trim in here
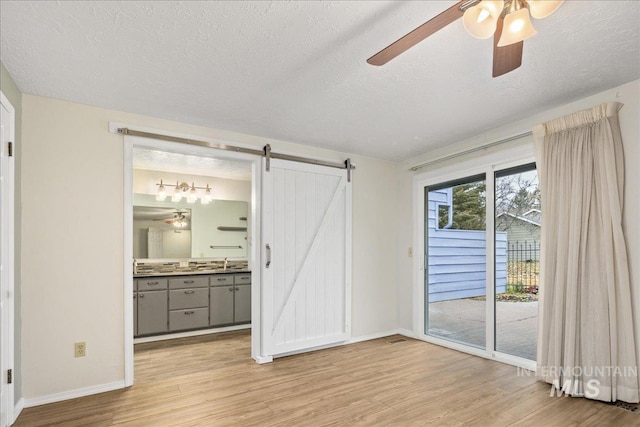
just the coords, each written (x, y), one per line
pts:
(17, 409)
(190, 334)
(375, 336)
(72, 394)
(406, 332)
(355, 340)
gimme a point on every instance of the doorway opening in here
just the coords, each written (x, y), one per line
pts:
(190, 220)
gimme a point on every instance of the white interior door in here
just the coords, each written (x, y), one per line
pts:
(306, 269)
(7, 120)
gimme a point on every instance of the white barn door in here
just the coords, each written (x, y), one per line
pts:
(306, 268)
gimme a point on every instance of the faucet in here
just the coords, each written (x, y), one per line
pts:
(224, 266)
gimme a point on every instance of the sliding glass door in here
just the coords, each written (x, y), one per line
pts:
(517, 262)
(456, 260)
(482, 252)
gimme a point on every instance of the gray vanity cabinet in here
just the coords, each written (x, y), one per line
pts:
(230, 303)
(221, 304)
(135, 308)
(188, 303)
(152, 312)
(242, 303)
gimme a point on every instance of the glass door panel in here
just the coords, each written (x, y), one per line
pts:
(456, 261)
(517, 260)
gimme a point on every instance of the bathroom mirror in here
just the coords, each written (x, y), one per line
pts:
(180, 230)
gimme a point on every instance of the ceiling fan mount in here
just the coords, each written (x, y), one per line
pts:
(507, 20)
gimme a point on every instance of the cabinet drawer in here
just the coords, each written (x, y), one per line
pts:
(188, 319)
(153, 284)
(188, 298)
(221, 279)
(188, 282)
(240, 279)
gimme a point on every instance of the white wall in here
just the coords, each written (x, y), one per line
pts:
(73, 237)
(628, 94)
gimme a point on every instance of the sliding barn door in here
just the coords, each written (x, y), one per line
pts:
(306, 268)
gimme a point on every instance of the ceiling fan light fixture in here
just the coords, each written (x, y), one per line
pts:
(481, 20)
(542, 8)
(517, 27)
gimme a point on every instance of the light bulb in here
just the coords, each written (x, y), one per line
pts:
(193, 194)
(206, 198)
(542, 8)
(481, 20)
(177, 193)
(517, 27)
(162, 192)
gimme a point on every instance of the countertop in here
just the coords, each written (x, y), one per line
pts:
(188, 273)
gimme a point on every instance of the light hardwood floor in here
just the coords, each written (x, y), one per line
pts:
(212, 381)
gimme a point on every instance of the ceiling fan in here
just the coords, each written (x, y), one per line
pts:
(179, 220)
(507, 20)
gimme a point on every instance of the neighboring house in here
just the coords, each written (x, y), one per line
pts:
(523, 233)
(519, 228)
(457, 258)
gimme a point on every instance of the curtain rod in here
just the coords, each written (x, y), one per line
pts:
(472, 150)
(266, 152)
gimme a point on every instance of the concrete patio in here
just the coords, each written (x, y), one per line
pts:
(463, 320)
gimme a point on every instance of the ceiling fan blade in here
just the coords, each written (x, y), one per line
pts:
(505, 58)
(417, 35)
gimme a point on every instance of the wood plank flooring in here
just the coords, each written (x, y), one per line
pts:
(211, 381)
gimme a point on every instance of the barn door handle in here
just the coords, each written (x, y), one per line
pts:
(268, 255)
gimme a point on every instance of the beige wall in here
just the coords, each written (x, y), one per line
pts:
(628, 94)
(73, 230)
(13, 94)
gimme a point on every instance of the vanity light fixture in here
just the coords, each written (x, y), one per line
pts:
(186, 191)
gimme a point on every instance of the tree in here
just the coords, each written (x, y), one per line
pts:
(469, 206)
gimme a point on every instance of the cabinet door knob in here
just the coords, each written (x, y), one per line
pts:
(237, 288)
(221, 279)
(188, 281)
(141, 295)
(189, 312)
(230, 289)
(190, 292)
(152, 283)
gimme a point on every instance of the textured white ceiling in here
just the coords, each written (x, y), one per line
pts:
(296, 71)
(190, 165)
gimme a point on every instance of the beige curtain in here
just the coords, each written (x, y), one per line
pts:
(586, 341)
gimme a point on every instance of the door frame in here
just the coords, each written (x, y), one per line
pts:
(129, 142)
(474, 165)
(7, 241)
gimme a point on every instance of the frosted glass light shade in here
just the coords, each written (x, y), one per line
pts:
(517, 27)
(177, 193)
(542, 8)
(193, 194)
(207, 197)
(162, 192)
(481, 20)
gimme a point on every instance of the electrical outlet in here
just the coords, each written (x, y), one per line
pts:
(80, 349)
(410, 252)
(184, 263)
